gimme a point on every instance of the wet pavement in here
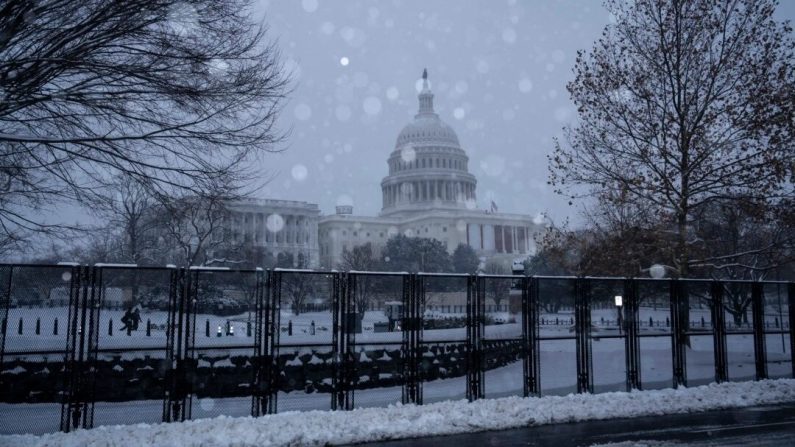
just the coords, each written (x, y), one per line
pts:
(767, 426)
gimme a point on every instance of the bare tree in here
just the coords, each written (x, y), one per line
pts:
(195, 228)
(297, 287)
(497, 288)
(173, 94)
(742, 242)
(131, 209)
(682, 103)
(361, 258)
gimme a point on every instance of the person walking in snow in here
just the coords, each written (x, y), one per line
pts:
(126, 319)
(131, 319)
(136, 318)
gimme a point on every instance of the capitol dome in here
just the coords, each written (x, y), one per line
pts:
(427, 129)
(428, 169)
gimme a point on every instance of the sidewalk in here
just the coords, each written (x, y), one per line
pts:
(771, 426)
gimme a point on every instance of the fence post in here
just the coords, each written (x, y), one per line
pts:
(76, 406)
(791, 308)
(413, 297)
(632, 339)
(475, 322)
(5, 303)
(338, 394)
(718, 318)
(758, 317)
(175, 402)
(679, 332)
(265, 389)
(582, 327)
(530, 336)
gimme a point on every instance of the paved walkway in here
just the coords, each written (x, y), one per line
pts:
(769, 426)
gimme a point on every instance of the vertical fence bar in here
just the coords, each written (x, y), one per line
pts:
(341, 389)
(335, 342)
(5, 304)
(418, 295)
(758, 317)
(174, 409)
(94, 304)
(260, 381)
(275, 321)
(791, 309)
(189, 358)
(476, 290)
(719, 332)
(679, 332)
(530, 337)
(411, 324)
(349, 330)
(582, 328)
(169, 361)
(632, 339)
(70, 410)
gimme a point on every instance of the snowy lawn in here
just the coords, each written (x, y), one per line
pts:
(404, 421)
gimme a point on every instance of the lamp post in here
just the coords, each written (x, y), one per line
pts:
(619, 300)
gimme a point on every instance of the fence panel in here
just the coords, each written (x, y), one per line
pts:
(307, 348)
(445, 344)
(739, 321)
(654, 322)
(777, 331)
(128, 354)
(504, 341)
(557, 335)
(222, 346)
(42, 316)
(699, 335)
(377, 324)
(608, 334)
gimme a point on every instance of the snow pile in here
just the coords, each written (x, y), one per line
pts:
(403, 421)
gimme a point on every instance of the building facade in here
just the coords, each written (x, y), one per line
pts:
(276, 226)
(428, 192)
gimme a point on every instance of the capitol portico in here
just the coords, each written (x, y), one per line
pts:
(428, 192)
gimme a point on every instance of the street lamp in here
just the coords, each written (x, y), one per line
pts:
(619, 300)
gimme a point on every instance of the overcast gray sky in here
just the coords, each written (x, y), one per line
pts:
(498, 68)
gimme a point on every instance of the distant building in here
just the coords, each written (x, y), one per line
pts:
(276, 226)
(429, 192)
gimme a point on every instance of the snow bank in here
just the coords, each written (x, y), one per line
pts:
(403, 421)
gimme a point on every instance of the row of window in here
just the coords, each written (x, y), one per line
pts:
(400, 165)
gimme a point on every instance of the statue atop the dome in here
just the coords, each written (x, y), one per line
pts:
(425, 74)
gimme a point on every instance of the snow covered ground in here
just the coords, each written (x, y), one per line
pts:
(403, 421)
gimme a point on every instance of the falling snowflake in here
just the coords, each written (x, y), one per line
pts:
(525, 85)
(302, 112)
(372, 105)
(408, 154)
(309, 5)
(274, 223)
(299, 172)
(392, 93)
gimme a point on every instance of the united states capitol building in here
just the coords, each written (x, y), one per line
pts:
(428, 192)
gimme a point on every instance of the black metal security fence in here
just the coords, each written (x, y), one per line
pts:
(83, 346)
